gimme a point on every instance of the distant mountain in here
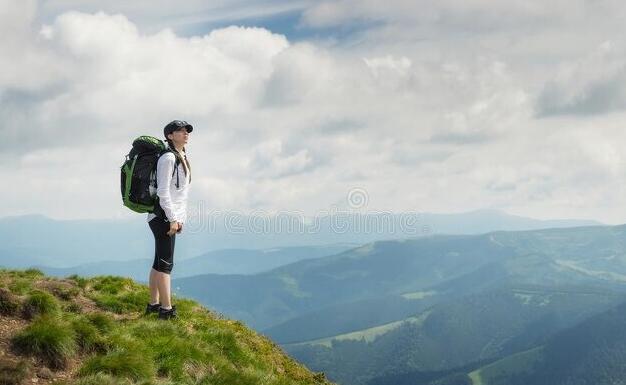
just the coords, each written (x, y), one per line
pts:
(472, 285)
(372, 271)
(485, 221)
(37, 240)
(575, 256)
(229, 261)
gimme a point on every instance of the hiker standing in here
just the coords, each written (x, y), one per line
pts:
(173, 178)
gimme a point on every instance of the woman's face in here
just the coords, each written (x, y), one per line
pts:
(180, 137)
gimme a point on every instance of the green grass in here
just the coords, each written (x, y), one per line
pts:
(20, 286)
(173, 348)
(19, 281)
(117, 344)
(133, 365)
(112, 285)
(103, 322)
(118, 295)
(88, 336)
(39, 302)
(48, 338)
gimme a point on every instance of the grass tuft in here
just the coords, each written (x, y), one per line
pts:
(47, 338)
(88, 337)
(175, 352)
(39, 302)
(111, 285)
(20, 286)
(122, 363)
(118, 295)
(32, 273)
(102, 322)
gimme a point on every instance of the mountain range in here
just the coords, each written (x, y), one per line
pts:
(428, 304)
(35, 240)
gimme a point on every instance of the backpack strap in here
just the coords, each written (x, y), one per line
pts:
(176, 163)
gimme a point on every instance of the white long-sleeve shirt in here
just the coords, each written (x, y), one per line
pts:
(173, 200)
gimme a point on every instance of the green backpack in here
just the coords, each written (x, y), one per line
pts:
(138, 181)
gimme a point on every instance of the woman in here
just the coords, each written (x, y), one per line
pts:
(173, 179)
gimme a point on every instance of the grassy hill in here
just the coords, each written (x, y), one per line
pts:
(79, 331)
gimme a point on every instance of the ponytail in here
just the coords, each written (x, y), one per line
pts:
(180, 158)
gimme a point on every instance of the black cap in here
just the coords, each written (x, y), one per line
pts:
(175, 125)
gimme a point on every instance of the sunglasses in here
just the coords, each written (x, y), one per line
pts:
(180, 123)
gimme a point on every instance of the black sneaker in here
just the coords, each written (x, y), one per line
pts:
(153, 308)
(167, 313)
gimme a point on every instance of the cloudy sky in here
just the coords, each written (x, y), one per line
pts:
(442, 106)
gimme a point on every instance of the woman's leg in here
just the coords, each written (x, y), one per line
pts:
(165, 285)
(160, 284)
(154, 287)
(165, 290)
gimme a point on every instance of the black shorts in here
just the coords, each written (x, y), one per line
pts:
(163, 245)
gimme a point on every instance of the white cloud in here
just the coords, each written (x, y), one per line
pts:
(388, 63)
(116, 80)
(123, 71)
(429, 108)
(592, 85)
(269, 160)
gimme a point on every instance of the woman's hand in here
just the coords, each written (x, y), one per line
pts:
(174, 226)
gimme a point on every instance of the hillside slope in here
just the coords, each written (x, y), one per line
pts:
(592, 352)
(574, 256)
(80, 331)
(481, 327)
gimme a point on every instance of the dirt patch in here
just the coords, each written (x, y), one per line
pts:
(85, 304)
